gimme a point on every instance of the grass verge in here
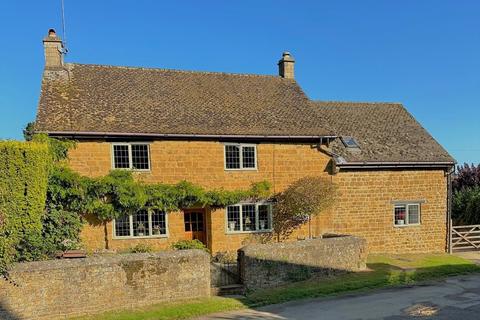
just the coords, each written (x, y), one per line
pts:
(385, 271)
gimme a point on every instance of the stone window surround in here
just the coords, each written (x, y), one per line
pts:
(230, 232)
(129, 144)
(240, 145)
(131, 236)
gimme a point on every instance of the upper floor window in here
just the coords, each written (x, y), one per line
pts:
(249, 217)
(144, 223)
(407, 214)
(131, 156)
(240, 156)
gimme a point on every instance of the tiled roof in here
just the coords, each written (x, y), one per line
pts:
(385, 132)
(107, 99)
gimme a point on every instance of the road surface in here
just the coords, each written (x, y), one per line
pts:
(455, 298)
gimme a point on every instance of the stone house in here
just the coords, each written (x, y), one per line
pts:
(222, 130)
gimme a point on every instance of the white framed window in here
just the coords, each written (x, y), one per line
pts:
(249, 217)
(143, 224)
(406, 214)
(240, 156)
(134, 156)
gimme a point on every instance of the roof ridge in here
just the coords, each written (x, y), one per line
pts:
(357, 102)
(176, 70)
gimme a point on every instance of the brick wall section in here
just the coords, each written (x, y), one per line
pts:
(364, 206)
(60, 288)
(269, 265)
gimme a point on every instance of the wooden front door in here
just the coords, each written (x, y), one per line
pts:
(195, 224)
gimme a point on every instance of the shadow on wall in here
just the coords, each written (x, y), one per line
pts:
(6, 314)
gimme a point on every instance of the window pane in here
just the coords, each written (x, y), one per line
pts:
(400, 215)
(120, 157)
(232, 157)
(233, 218)
(140, 156)
(264, 222)
(122, 226)
(159, 225)
(248, 154)
(413, 214)
(248, 215)
(140, 224)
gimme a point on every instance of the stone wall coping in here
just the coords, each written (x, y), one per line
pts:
(273, 247)
(106, 260)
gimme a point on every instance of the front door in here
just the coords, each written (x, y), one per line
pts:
(195, 224)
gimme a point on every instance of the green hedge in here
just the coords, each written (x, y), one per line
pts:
(24, 168)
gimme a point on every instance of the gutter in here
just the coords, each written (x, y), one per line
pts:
(176, 135)
(400, 164)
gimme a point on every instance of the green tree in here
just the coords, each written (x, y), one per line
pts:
(300, 201)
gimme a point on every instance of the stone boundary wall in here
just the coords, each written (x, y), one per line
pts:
(269, 265)
(58, 289)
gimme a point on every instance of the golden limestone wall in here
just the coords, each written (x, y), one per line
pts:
(364, 207)
(201, 163)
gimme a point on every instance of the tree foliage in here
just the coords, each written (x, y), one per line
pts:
(300, 201)
(466, 195)
(466, 206)
(467, 176)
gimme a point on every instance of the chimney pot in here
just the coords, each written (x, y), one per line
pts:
(286, 66)
(53, 49)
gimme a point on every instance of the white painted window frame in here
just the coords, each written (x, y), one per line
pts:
(257, 222)
(130, 158)
(240, 145)
(407, 206)
(150, 229)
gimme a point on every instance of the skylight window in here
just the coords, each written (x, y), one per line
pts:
(350, 142)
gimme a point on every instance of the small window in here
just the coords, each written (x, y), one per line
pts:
(240, 157)
(133, 156)
(407, 214)
(249, 217)
(144, 223)
(350, 142)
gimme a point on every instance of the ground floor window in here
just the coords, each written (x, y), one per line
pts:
(407, 214)
(144, 223)
(249, 217)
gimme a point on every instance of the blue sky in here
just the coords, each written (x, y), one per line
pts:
(425, 54)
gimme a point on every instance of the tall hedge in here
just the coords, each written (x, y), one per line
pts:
(24, 168)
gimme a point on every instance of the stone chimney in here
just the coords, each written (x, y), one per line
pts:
(53, 47)
(286, 66)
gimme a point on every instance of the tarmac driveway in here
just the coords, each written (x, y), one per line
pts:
(455, 298)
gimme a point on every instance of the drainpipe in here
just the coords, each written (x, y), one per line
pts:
(449, 208)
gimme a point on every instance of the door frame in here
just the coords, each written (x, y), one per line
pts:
(204, 211)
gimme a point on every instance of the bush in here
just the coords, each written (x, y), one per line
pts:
(24, 169)
(141, 248)
(189, 244)
(466, 206)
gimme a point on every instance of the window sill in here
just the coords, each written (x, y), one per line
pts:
(235, 170)
(134, 170)
(163, 236)
(407, 225)
(248, 232)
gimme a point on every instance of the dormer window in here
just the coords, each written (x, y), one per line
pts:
(350, 142)
(240, 156)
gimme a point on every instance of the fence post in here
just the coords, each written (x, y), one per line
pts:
(450, 225)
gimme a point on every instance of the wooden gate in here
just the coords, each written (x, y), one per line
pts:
(465, 238)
